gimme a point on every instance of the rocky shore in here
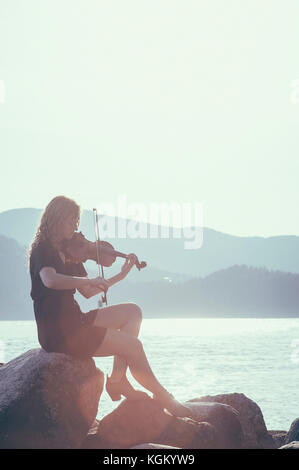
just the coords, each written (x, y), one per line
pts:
(51, 400)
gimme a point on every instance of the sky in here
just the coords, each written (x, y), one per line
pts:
(167, 101)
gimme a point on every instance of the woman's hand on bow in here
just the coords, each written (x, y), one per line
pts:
(99, 283)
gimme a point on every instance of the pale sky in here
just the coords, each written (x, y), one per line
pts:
(160, 100)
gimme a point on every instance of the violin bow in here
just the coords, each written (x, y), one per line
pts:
(97, 234)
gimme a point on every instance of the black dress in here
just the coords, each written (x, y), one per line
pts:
(61, 325)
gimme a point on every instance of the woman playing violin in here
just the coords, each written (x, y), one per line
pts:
(107, 331)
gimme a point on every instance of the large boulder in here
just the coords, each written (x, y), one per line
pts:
(149, 445)
(278, 437)
(293, 434)
(48, 400)
(251, 418)
(224, 418)
(291, 445)
(136, 422)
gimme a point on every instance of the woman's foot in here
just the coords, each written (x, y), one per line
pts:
(174, 407)
(123, 387)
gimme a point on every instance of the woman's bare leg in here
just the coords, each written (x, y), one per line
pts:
(126, 317)
(131, 349)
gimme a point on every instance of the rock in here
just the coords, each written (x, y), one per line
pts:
(136, 422)
(278, 437)
(291, 445)
(293, 434)
(224, 418)
(47, 400)
(189, 434)
(251, 418)
(153, 446)
(91, 441)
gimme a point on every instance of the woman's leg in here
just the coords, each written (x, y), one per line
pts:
(125, 317)
(129, 347)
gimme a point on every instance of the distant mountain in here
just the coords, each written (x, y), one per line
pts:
(219, 250)
(235, 291)
(15, 303)
(15, 285)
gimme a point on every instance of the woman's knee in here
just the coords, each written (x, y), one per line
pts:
(119, 315)
(135, 312)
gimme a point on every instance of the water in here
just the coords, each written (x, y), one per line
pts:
(196, 357)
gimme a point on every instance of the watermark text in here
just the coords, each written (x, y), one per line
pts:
(167, 220)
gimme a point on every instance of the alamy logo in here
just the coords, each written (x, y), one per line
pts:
(167, 220)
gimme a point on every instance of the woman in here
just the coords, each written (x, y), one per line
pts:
(108, 331)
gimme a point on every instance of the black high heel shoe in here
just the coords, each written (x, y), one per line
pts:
(123, 388)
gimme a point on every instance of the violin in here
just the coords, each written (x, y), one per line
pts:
(78, 250)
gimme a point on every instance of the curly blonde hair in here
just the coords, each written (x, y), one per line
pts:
(56, 211)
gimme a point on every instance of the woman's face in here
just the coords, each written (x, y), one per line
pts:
(69, 226)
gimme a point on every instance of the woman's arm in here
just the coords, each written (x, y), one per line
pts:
(54, 280)
(125, 269)
(89, 291)
(99, 284)
(114, 279)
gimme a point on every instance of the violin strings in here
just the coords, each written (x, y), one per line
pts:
(97, 234)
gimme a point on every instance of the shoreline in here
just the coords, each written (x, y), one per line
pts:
(206, 317)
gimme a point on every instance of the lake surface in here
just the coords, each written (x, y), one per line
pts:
(197, 357)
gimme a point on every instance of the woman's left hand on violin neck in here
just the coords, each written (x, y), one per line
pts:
(125, 269)
(99, 284)
(128, 264)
